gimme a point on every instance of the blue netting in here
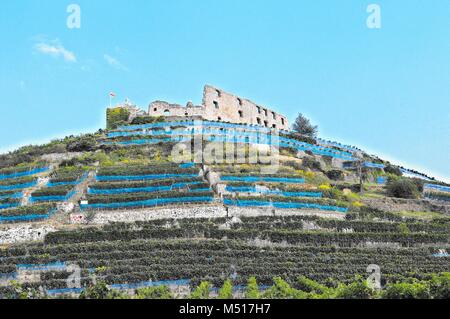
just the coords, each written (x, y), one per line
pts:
(38, 199)
(18, 186)
(437, 187)
(199, 190)
(225, 136)
(64, 291)
(149, 203)
(46, 267)
(244, 189)
(143, 177)
(153, 189)
(374, 165)
(15, 195)
(10, 205)
(180, 282)
(381, 180)
(11, 276)
(253, 179)
(23, 174)
(77, 182)
(187, 165)
(27, 217)
(282, 205)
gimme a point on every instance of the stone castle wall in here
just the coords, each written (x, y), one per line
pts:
(225, 107)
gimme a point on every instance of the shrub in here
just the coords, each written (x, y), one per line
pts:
(161, 292)
(335, 175)
(252, 291)
(226, 292)
(393, 170)
(140, 120)
(116, 117)
(202, 291)
(402, 188)
(405, 290)
(311, 163)
(358, 289)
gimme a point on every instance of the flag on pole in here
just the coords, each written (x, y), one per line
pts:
(111, 96)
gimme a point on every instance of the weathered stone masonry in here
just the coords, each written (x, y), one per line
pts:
(224, 107)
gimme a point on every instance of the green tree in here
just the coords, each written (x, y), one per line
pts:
(161, 292)
(96, 291)
(116, 117)
(402, 188)
(252, 291)
(226, 292)
(303, 126)
(202, 291)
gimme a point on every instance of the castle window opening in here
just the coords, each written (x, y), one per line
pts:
(282, 121)
(219, 118)
(259, 109)
(258, 120)
(241, 114)
(219, 93)
(216, 104)
(239, 102)
(265, 112)
(274, 126)
(166, 112)
(266, 124)
(274, 115)
(155, 109)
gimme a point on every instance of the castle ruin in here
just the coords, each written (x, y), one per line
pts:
(221, 106)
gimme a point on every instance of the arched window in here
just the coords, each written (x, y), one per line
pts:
(167, 112)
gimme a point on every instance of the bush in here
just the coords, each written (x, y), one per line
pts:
(162, 292)
(226, 292)
(116, 117)
(140, 120)
(335, 175)
(202, 291)
(252, 291)
(393, 170)
(405, 290)
(402, 188)
(311, 163)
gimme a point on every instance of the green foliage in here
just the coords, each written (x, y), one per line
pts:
(393, 170)
(99, 290)
(280, 290)
(202, 291)
(140, 120)
(440, 286)
(226, 292)
(403, 228)
(116, 117)
(303, 126)
(335, 175)
(161, 292)
(311, 163)
(252, 290)
(406, 290)
(357, 289)
(402, 188)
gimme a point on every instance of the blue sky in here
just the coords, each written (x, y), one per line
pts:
(386, 90)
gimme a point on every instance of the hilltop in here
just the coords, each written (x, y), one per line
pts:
(178, 195)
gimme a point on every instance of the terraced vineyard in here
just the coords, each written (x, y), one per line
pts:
(126, 215)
